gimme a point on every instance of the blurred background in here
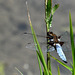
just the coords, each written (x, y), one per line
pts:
(14, 22)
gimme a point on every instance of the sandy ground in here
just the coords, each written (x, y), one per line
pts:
(14, 22)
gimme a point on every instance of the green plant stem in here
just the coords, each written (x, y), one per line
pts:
(48, 61)
(47, 30)
(39, 65)
(72, 43)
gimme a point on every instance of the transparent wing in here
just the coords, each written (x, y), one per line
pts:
(31, 46)
(65, 37)
(43, 44)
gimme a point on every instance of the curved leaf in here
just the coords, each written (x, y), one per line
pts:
(72, 43)
(55, 8)
(58, 71)
(66, 66)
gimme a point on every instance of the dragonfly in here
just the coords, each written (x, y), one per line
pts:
(59, 43)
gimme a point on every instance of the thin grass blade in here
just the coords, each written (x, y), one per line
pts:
(55, 8)
(58, 71)
(18, 70)
(49, 8)
(39, 63)
(36, 42)
(72, 43)
(44, 72)
(53, 11)
(50, 73)
(66, 66)
(2, 69)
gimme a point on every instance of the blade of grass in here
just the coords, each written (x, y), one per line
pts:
(66, 66)
(53, 11)
(2, 69)
(58, 71)
(50, 73)
(49, 8)
(50, 18)
(44, 72)
(43, 64)
(39, 64)
(18, 70)
(48, 61)
(71, 64)
(55, 8)
(36, 42)
(72, 43)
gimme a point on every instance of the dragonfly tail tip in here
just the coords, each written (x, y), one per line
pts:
(65, 61)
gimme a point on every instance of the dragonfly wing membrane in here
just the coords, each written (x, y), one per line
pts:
(65, 37)
(30, 46)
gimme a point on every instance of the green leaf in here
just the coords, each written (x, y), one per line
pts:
(49, 8)
(58, 71)
(72, 43)
(55, 8)
(50, 73)
(37, 46)
(44, 72)
(50, 18)
(71, 63)
(48, 61)
(39, 63)
(66, 66)
(39, 49)
(2, 69)
(50, 22)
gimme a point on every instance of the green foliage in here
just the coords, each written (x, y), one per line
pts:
(2, 69)
(55, 8)
(72, 47)
(39, 63)
(58, 71)
(72, 44)
(37, 46)
(48, 8)
(48, 61)
(66, 66)
(49, 12)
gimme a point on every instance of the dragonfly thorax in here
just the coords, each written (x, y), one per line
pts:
(52, 39)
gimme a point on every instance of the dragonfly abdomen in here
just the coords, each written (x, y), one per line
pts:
(61, 53)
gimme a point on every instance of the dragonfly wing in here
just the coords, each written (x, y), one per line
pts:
(51, 49)
(65, 37)
(61, 53)
(44, 48)
(43, 45)
(30, 46)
